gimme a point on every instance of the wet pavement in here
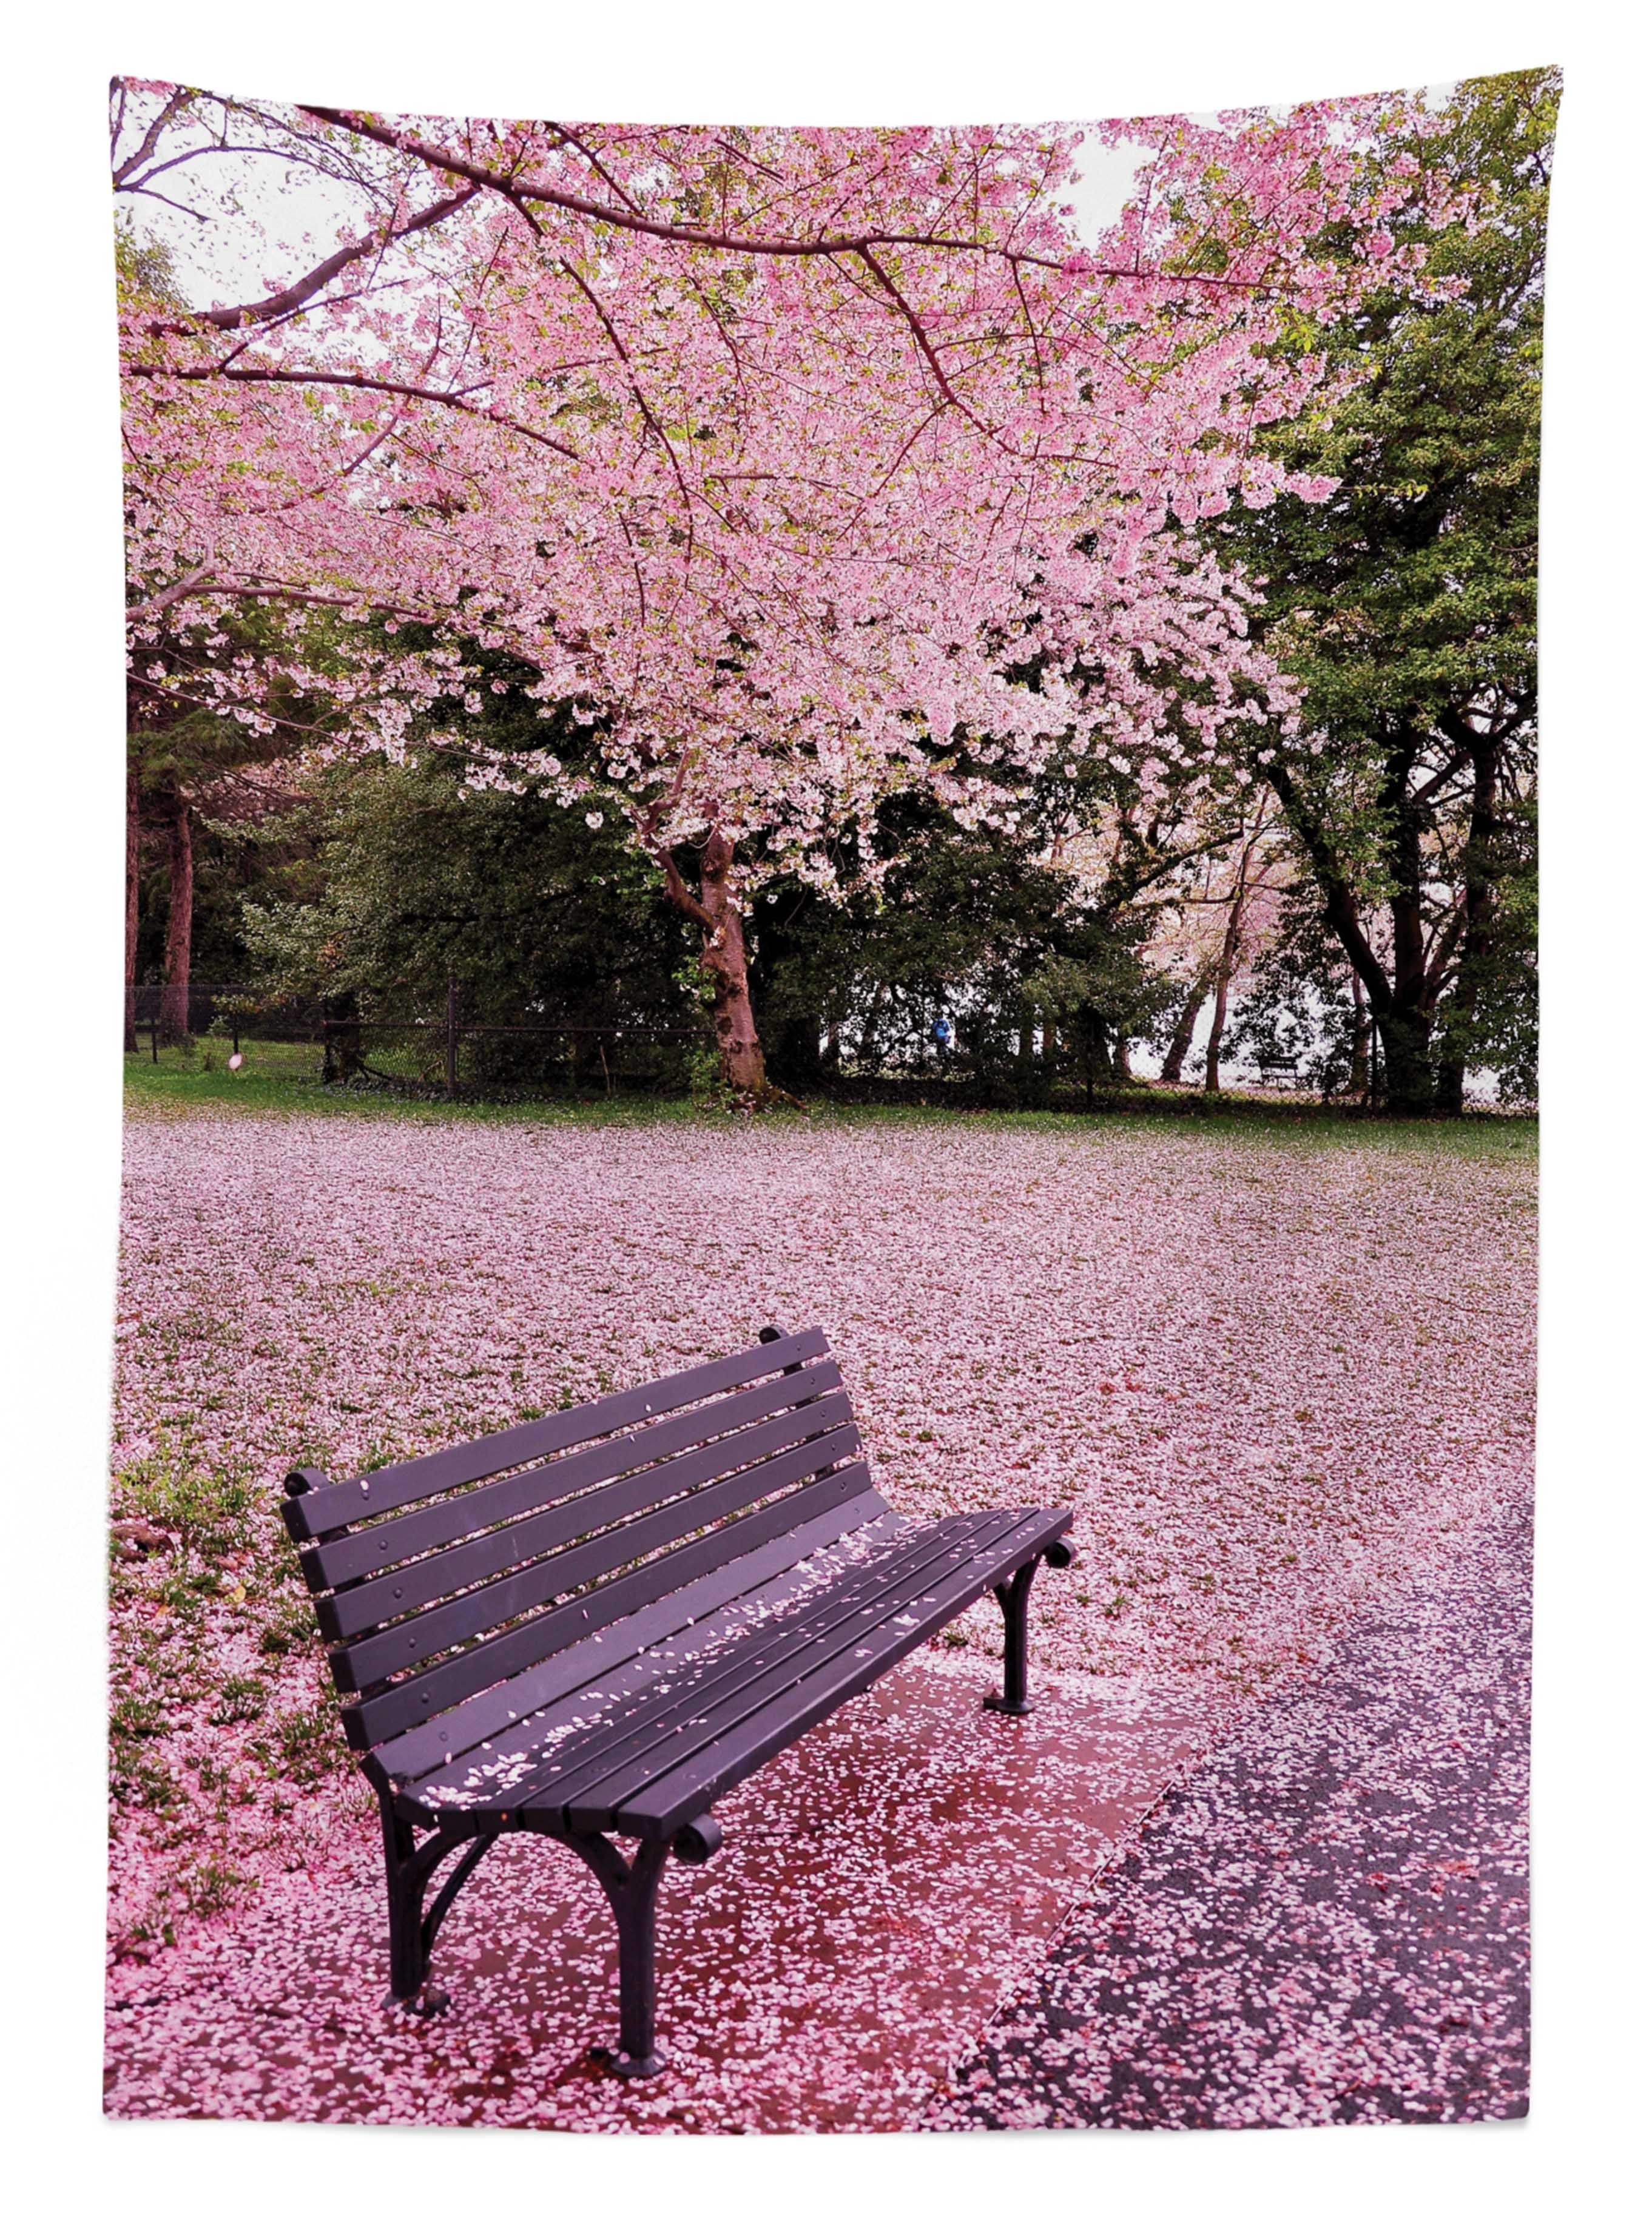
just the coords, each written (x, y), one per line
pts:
(886, 1885)
(1327, 1922)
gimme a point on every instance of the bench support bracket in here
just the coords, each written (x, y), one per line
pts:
(632, 1888)
(1012, 1599)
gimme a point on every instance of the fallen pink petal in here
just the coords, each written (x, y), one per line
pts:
(869, 1951)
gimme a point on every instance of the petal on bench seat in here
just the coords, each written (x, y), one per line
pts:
(642, 1744)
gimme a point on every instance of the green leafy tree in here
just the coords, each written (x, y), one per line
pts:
(1034, 979)
(540, 918)
(1406, 608)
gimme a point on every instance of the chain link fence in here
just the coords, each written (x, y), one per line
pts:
(433, 1054)
(373, 1042)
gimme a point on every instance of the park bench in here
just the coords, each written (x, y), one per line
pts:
(591, 1627)
(1275, 1063)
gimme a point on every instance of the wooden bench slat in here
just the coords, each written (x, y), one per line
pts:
(374, 1657)
(329, 1508)
(609, 1719)
(510, 1713)
(683, 1793)
(621, 1749)
(591, 1800)
(417, 1531)
(433, 1690)
(397, 1593)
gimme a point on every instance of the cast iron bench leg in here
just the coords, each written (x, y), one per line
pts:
(408, 1869)
(632, 1888)
(1012, 1599)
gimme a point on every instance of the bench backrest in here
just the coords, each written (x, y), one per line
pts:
(438, 1577)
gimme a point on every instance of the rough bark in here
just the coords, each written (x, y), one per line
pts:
(1479, 873)
(1450, 1080)
(1408, 1024)
(1182, 1038)
(179, 922)
(1402, 1024)
(715, 909)
(1227, 963)
(1410, 1086)
(131, 1013)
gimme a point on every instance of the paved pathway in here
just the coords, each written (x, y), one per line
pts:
(1327, 1923)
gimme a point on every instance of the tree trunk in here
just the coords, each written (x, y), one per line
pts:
(1406, 1026)
(341, 1039)
(131, 1022)
(1403, 1020)
(715, 910)
(1218, 1025)
(866, 1052)
(1359, 1064)
(1121, 1069)
(1479, 873)
(180, 923)
(1226, 965)
(1182, 1038)
(1451, 1078)
(1410, 1090)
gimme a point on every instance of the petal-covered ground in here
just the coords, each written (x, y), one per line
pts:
(886, 1885)
(1276, 1377)
(1329, 1922)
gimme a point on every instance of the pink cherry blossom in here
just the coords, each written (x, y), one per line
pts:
(779, 451)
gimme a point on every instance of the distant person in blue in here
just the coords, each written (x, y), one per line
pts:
(944, 1031)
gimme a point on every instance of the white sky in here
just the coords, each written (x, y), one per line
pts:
(300, 215)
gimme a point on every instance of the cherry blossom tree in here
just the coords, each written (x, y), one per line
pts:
(809, 467)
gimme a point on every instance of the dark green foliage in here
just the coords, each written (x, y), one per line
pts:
(416, 878)
(967, 928)
(409, 874)
(1406, 607)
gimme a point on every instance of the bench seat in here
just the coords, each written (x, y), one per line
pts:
(641, 1743)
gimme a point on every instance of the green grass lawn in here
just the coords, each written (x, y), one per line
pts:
(285, 1077)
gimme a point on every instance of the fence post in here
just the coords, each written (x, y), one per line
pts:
(453, 1037)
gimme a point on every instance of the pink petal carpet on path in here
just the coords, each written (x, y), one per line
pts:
(885, 1885)
(1327, 1923)
(1274, 1378)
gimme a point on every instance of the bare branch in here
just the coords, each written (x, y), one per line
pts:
(306, 288)
(197, 373)
(176, 102)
